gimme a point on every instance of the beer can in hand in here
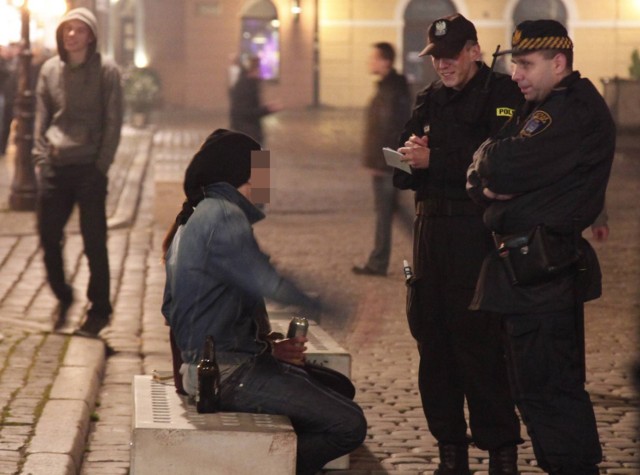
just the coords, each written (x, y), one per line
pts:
(298, 326)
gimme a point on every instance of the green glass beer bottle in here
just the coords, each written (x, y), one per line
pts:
(208, 394)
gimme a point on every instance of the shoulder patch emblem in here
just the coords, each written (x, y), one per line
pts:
(537, 123)
(504, 112)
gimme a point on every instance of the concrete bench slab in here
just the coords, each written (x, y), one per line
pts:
(169, 437)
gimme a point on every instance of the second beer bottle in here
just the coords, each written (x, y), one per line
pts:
(208, 395)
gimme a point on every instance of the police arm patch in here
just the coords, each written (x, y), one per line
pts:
(504, 112)
(537, 123)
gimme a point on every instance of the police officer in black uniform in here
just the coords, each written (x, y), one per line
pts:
(544, 178)
(461, 355)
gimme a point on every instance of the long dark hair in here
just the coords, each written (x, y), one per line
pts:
(181, 218)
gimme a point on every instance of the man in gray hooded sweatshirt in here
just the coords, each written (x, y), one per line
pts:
(77, 131)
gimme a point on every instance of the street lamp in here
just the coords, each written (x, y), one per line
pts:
(23, 186)
(296, 10)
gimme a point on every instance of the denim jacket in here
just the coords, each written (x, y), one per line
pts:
(217, 275)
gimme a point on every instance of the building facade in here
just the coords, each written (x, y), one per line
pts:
(314, 52)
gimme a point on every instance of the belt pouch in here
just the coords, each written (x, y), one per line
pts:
(528, 257)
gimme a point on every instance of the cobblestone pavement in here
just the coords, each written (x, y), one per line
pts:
(318, 225)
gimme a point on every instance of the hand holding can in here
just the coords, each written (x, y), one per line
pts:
(298, 327)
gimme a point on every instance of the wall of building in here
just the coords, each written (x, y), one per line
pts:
(190, 43)
(164, 44)
(604, 33)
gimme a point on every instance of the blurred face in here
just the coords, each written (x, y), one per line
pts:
(76, 36)
(377, 64)
(457, 72)
(536, 75)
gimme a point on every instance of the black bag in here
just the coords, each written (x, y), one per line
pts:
(534, 257)
(332, 379)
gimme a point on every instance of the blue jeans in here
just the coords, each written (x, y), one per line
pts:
(327, 424)
(385, 200)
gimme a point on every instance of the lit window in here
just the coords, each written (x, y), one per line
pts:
(261, 37)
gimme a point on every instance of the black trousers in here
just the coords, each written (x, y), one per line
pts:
(461, 352)
(545, 371)
(59, 189)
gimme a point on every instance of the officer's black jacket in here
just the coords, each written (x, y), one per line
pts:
(555, 157)
(457, 123)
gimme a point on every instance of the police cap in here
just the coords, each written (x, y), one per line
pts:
(536, 35)
(448, 35)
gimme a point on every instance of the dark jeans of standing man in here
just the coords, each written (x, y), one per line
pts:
(327, 424)
(60, 188)
(385, 197)
(545, 372)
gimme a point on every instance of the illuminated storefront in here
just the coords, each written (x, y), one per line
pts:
(261, 38)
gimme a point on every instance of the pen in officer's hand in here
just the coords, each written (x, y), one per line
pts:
(408, 273)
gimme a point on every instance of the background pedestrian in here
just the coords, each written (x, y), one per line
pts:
(386, 114)
(77, 131)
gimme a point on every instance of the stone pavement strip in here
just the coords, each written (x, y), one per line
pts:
(49, 382)
(67, 410)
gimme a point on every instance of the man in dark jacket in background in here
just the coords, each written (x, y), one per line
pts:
(461, 355)
(388, 111)
(544, 178)
(77, 132)
(247, 108)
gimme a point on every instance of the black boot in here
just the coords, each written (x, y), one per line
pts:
(504, 461)
(454, 460)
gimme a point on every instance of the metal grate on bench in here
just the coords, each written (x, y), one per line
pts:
(158, 405)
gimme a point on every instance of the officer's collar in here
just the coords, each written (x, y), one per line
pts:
(559, 89)
(566, 82)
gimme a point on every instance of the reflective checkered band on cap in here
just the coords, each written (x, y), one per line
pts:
(545, 42)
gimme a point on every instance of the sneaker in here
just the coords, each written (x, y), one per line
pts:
(91, 327)
(366, 270)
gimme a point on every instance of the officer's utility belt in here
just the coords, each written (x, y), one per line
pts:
(536, 256)
(445, 207)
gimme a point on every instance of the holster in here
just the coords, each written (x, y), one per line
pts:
(536, 257)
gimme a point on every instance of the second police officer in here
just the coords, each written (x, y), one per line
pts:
(544, 178)
(461, 355)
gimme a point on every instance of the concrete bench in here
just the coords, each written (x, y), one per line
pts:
(170, 437)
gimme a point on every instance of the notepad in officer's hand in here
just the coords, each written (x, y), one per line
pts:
(393, 159)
